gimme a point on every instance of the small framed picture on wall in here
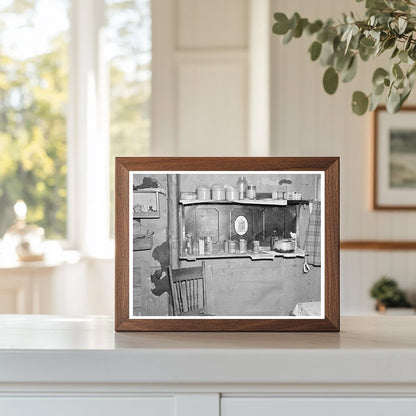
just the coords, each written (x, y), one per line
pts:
(394, 150)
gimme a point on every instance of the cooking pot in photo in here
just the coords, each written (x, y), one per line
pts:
(283, 245)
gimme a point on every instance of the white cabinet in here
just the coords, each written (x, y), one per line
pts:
(88, 406)
(80, 366)
(271, 406)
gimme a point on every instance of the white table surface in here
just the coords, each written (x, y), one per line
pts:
(49, 349)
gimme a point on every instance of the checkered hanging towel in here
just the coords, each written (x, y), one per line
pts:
(313, 235)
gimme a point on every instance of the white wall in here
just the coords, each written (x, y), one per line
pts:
(308, 122)
(211, 86)
(201, 84)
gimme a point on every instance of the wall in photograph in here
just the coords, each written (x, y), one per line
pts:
(150, 284)
(236, 286)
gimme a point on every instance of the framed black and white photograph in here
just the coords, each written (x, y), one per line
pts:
(246, 248)
(394, 159)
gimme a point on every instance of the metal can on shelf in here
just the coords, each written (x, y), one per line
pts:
(243, 246)
(256, 246)
(251, 192)
(208, 245)
(195, 246)
(232, 247)
(218, 193)
(231, 193)
(203, 193)
(201, 246)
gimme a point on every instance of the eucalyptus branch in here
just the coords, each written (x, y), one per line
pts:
(389, 25)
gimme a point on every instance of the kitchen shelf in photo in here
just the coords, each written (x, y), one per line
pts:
(262, 255)
(268, 201)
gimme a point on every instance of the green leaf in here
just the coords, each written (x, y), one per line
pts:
(393, 101)
(294, 20)
(359, 103)
(379, 75)
(378, 89)
(403, 56)
(342, 62)
(281, 27)
(376, 4)
(315, 50)
(397, 71)
(389, 43)
(411, 76)
(298, 30)
(366, 53)
(330, 80)
(314, 27)
(408, 42)
(404, 96)
(412, 52)
(288, 37)
(351, 71)
(395, 52)
(322, 36)
(367, 42)
(327, 53)
(374, 101)
(400, 5)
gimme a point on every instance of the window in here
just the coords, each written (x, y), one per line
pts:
(33, 99)
(129, 46)
(75, 87)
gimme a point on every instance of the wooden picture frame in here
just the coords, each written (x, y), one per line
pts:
(326, 168)
(394, 185)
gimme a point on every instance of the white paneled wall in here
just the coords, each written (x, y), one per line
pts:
(223, 86)
(308, 122)
(204, 72)
(212, 103)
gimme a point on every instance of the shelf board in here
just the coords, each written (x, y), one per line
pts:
(138, 215)
(263, 255)
(149, 190)
(271, 202)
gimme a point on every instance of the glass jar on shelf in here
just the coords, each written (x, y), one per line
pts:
(251, 192)
(242, 187)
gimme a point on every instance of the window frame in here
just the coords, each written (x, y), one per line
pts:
(88, 133)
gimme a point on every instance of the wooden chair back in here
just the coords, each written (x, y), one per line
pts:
(188, 289)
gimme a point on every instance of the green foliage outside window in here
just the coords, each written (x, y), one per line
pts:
(33, 99)
(34, 104)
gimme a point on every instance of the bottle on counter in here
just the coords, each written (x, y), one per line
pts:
(208, 245)
(273, 237)
(242, 187)
(188, 244)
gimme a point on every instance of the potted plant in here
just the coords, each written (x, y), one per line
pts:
(389, 27)
(387, 294)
